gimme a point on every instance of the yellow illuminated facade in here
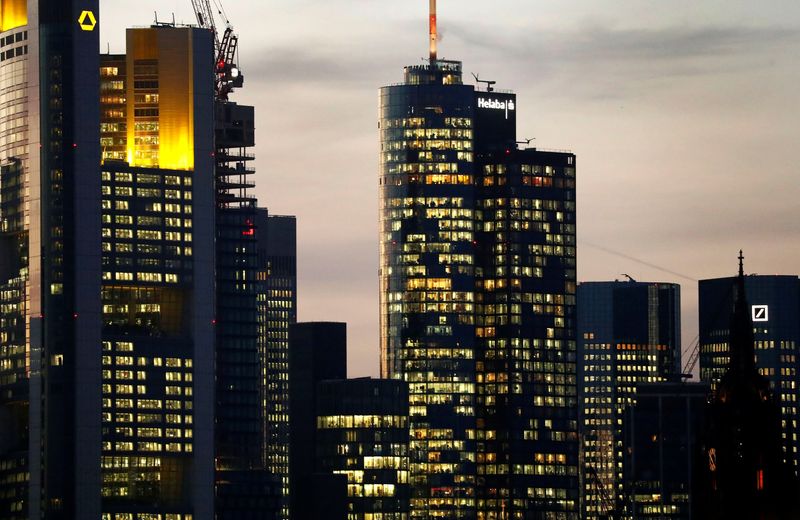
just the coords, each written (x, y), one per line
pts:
(13, 14)
(159, 98)
(149, 278)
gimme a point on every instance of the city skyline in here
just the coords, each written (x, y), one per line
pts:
(155, 363)
(672, 109)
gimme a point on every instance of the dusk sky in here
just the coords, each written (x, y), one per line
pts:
(684, 117)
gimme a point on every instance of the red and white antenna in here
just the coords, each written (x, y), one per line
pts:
(432, 30)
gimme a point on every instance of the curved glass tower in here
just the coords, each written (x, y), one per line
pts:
(427, 278)
(477, 278)
(477, 284)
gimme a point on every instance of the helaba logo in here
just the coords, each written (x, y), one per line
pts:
(497, 104)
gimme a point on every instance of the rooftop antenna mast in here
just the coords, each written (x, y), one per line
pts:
(432, 33)
(489, 83)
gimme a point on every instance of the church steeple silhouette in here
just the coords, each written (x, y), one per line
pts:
(742, 472)
(742, 369)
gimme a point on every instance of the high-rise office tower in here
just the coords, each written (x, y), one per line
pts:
(158, 276)
(244, 487)
(362, 433)
(744, 470)
(277, 311)
(775, 313)
(428, 283)
(317, 352)
(238, 365)
(661, 435)
(629, 333)
(525, 324)
(477, 285)
(50, 373)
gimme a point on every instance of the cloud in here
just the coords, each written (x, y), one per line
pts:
(595, 41)
(692, 169)
(594, 60)
(598, 61)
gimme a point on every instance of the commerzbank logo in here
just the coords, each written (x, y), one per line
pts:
(87, 21)
(497, 104)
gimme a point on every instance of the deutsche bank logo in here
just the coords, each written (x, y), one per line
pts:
(760, 312)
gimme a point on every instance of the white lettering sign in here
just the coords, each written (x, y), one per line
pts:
(760, 312)
(497, 104)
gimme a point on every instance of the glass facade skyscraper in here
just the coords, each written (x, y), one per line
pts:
(629, 334)
(526, 281)
(477, 286)
(746, 469)
(129, 277)
(428, 278)
(775, 314)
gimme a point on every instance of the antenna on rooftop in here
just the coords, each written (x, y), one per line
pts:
(432, 30)
(489, 83)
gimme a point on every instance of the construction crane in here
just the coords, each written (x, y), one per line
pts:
(227, 73)
(694, 355)
(606, 500)
(694, 350)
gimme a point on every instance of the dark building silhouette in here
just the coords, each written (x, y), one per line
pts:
(317, 352)
(742, 471)
(277, 311)
(629, 334)
(775, 311)
(362, 433)
(660, 435)
(50, 261)
(244, 487)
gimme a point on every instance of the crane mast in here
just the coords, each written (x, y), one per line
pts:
(227, 73)
(232, 136)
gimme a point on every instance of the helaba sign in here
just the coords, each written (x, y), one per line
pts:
(497, 104)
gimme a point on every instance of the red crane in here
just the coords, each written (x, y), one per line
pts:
(227, 73)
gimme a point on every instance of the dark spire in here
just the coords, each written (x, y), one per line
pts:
(741, 341)
(741, 264)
